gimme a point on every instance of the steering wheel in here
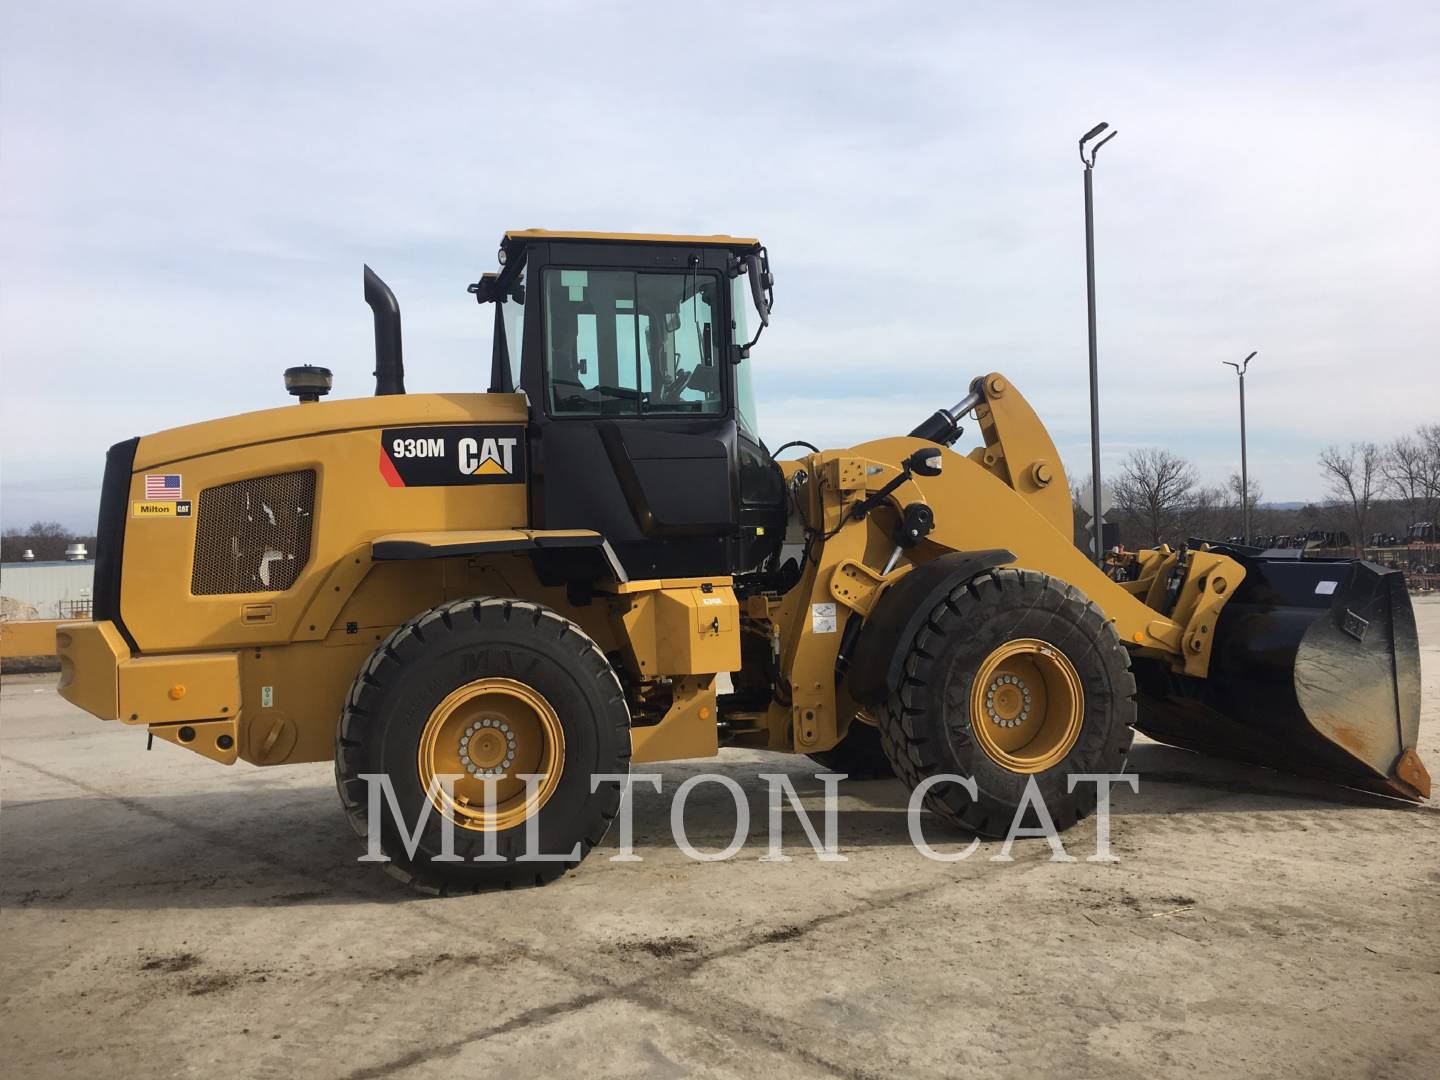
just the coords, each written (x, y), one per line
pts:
(677, 386)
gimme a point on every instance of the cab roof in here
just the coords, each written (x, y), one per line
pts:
(524, 236)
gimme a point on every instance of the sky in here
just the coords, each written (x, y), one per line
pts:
(188, 192)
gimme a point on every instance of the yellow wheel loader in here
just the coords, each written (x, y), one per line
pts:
(495, 603)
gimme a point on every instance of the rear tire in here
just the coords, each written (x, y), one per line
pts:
(443, 694)
(1077, 670)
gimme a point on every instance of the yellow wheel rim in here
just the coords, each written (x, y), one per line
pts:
(498, 729)
(1027, 705)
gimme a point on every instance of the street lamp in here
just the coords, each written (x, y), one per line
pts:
(1244, 471)
(1089, 161)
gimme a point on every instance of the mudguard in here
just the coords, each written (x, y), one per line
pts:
(876, 664)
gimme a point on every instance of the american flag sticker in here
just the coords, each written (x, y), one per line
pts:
(162, 486)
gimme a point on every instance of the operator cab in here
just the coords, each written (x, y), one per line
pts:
(634, 353)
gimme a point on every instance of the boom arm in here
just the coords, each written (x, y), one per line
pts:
(1010, 494)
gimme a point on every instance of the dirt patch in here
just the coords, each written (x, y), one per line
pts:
(785, 933)
(665, 948)
(210, 984)
(417, 966)
(170, 964)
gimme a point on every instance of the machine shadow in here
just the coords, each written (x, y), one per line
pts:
(267, 847)
(1173, 780)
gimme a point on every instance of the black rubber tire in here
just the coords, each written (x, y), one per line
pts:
(858, 755)
(413, 670)
(925, 724)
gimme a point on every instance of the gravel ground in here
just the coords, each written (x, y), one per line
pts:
(165, 916)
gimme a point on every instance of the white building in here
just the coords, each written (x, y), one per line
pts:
(57, 590)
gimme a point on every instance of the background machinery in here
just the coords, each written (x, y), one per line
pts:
(501, 600)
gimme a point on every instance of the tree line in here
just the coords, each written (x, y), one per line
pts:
(1375, 493)
(47, 539)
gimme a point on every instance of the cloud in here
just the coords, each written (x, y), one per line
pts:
(187, 192)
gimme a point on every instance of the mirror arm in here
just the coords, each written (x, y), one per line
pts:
(756, 266)
(743, 352)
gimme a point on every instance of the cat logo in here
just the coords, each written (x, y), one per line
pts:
(487, 457)
(453, 455)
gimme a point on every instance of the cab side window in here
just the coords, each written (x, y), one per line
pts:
(621, 343)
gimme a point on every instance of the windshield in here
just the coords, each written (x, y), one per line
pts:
(623, 343)
(744, 385)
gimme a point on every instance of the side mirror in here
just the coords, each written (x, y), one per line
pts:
(928, 461)
(762, 289)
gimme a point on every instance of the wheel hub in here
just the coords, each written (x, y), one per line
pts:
(1008, 701)
(488, 747)
(490, 733)
(1027, 705)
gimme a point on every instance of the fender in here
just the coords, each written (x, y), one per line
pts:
(574, 554)
(876, 666)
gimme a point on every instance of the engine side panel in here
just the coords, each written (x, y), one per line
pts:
(421, 462)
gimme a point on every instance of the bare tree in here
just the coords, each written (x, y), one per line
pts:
(1155, 489)
(1412, 476)
(1352, 477)
(1403, 468)
(1251, 502)
(1080, 515)
(1209, 515)
(1429, 436)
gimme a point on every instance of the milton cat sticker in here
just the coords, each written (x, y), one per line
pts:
(453, 454)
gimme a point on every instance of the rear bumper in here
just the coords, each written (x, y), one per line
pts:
(192, 699)
(90, 655)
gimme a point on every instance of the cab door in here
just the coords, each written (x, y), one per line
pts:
(632, 398)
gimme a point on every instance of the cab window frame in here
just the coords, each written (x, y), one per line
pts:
(720, 349)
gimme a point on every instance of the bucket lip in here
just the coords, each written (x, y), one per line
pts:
(1351, 714)
(1411, 775)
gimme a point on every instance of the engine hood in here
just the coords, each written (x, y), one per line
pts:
(324, 417)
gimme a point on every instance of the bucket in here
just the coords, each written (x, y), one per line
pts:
(1315, 669)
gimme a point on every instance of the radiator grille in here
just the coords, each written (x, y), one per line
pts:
(253, 535)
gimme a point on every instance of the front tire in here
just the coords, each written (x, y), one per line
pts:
(475, 689)
(1014, 675)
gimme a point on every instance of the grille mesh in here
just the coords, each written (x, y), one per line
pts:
(253, 535)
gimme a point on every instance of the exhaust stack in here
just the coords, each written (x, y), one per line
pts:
(389, 361)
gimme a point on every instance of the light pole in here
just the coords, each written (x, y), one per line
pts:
(1244, 470)
(1089, 162)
